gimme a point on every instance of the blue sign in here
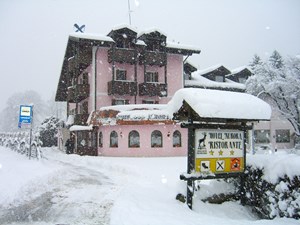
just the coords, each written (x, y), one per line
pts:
(25, 115)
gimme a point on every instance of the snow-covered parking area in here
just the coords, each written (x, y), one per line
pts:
(75, 190)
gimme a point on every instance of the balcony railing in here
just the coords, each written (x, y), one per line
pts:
(154, 58)
(78, 92)
(80, 119)
(122, 55)
(116, 87)
(153, 89)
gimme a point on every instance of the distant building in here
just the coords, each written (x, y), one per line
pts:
(277, 133)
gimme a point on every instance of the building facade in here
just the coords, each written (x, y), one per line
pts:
(122, 68)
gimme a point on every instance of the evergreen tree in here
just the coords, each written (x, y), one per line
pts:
(276, 60)
(48, 131)
(256, 61)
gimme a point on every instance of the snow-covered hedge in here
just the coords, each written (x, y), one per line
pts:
(272, 185)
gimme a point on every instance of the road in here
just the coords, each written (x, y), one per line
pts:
(74, 194)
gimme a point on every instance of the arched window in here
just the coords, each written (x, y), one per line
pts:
(134, 139)
(156, 139)
(177, 139)
(113, 139)
(100, 139)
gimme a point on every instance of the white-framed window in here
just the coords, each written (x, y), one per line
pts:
(120, 102)
(120, 74)
(100, 141)
(177, 139)
(156, 139)
(151, 77)
(113, 140)
(134, 139)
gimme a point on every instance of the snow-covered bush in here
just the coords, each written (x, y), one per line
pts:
(48, 131)
(270, 200)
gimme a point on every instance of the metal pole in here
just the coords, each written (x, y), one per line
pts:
(129, 12)
(30, 134)
(191, 162)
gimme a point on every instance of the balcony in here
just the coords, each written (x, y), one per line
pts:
(117, 87)
(78, 92)
(153, 58)
(153, 89)
(80, 119)
(122, 55)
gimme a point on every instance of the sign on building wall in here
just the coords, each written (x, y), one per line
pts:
(219, 151)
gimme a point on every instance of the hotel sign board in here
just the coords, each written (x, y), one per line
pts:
(219, 151)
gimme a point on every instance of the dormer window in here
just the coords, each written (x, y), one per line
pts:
(219, 78)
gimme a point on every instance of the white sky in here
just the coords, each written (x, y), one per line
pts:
(34, 33)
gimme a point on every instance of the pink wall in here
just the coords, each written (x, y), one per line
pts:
(145, 148)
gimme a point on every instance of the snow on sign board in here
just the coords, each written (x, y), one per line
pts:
(25, 115)
(219, 151)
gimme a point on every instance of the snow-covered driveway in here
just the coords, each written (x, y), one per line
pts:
(61, 192)
(86, 190)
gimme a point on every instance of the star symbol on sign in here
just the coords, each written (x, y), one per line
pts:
(220, 152)
(211, 152)
(231, 152)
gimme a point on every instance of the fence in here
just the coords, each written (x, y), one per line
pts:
(20, 142)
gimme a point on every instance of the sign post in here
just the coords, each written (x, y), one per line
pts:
(26, 120)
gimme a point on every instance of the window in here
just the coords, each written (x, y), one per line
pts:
(120, 102)
(113, 143)
(134, 139)
(242, 80)
(150, 102)
(262, 136)
(156, 139)
(219, 79)
(176, 139)
(121, 74)
(282, 136)
(100, 139)
(151, 77)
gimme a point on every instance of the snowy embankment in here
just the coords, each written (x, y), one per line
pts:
(70, 189)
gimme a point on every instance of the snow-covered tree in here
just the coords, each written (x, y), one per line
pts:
(280, 82)
(276, 60)
(255, 61)
(10, 114)
(48, 131)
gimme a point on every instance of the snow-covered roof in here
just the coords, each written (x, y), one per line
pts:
(209, 69)
(151, 30)
(140, 112)
(80, 128)
(91, 36)
(180, 46)
(122, 26)
(221, 104)
(140, 42)
(239, 69)
(200, 81)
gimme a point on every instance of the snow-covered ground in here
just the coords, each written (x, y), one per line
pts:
(75, 190)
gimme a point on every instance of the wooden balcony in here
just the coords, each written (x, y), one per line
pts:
(80, 119)
(122, 55)
(153, 58)
(153, 89)
(117, 87)
(78, 93)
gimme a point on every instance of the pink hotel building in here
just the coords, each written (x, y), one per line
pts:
(116, 88)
